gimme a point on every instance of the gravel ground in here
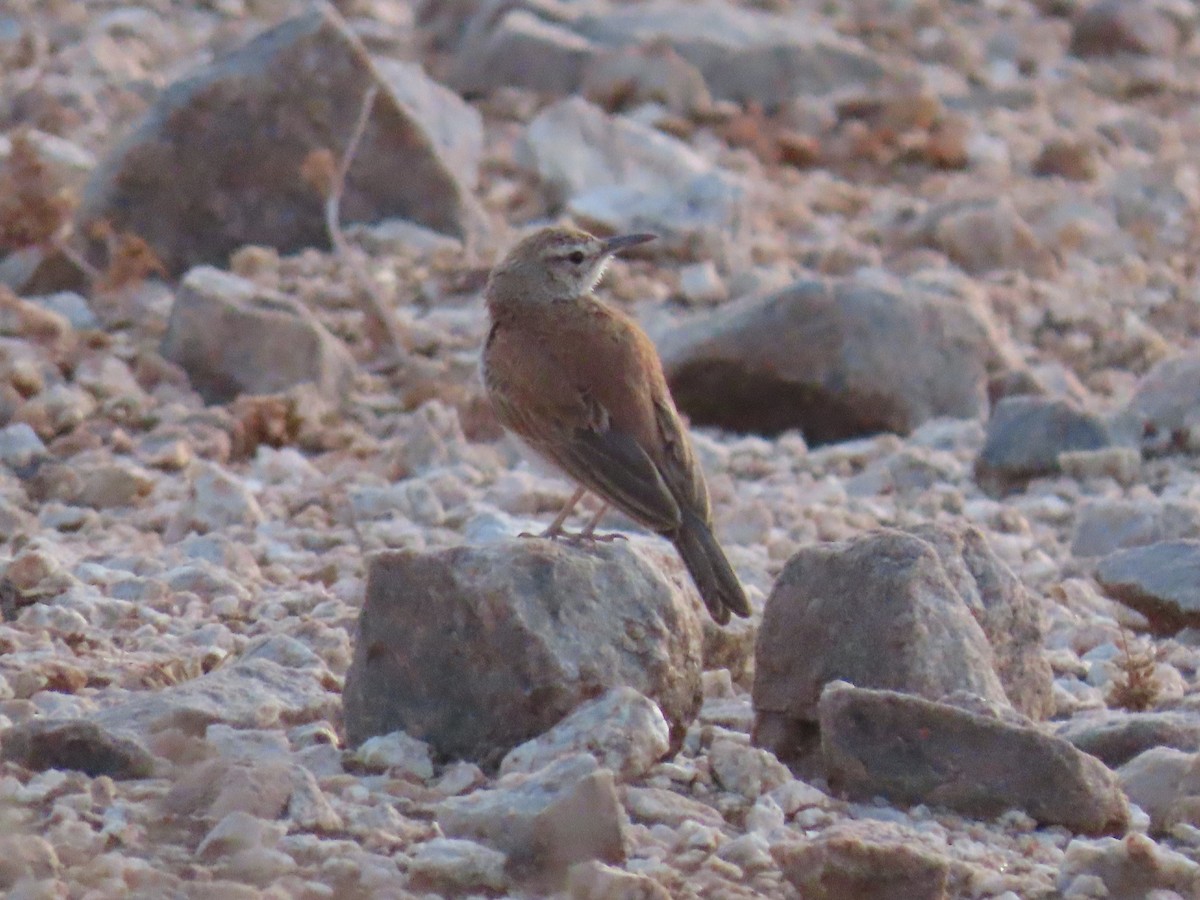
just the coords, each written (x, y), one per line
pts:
(201, 567)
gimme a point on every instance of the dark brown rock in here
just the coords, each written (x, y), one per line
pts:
(1117, 737)
(83, 746)
(1011, 617)
(1025, 436)
(216, 163)
(746, 55)
(879, 612)
(821, 357)
(981, 236)
(1071, 159)
(1161, 581)
(231, 340)
(842, 865)
(1104, 526)
(529, 629)
(1165, 408)
(1111, 27)
(912, 750)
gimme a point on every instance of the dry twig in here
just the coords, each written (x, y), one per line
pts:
(382, 327)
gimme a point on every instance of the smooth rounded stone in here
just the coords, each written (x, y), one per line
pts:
(624, 730)
(565, 813)
(912, 750)
(981, 236)
(1104, 526)
(261, 112)
(222, 552)
(694, 216)
(1149, 201)
(745, 55)
(1122, 464)
(617, 173)
(75, 744)
(56, 410)
(108, 377)
(253, 693)
(593, 880)
(574, 147)
(1026, 435)
(1113, 27)
(844, 864)
(530, 629)
(520, 49)
(1161, 581)
(742, 769)
(821, 356)
(308, 808)
(284, 650)
(1133, 866)
(219, 787)
(236, 832)
(396, 753)
(639, 74)
(233, 338)
(1068, 158)
(1117, 737)
(1165, 407)
(733, 713)
(218, 499)
(71, 306)
(660, 806)
(701, 284)
(20, 446)
(26, 857)
(449, 865)
(210, 582)
(1165, 783)
(112, 485)
(881, 611)
(247, 744)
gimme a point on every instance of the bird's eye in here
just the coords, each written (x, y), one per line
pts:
(576, 257)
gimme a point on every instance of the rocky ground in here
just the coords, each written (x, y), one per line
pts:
(925, 288)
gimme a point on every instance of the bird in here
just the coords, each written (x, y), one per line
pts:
(582, 385)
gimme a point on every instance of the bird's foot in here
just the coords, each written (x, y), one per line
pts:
(574, 537)
(590, 537)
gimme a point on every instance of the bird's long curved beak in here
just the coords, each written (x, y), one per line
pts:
(624, 241)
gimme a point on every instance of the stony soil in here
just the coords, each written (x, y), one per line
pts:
(149, 540)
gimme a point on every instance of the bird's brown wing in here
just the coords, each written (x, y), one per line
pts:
(613, 465)
(677, 462)
(580, 438)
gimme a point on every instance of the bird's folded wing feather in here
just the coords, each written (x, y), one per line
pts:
(613, 465)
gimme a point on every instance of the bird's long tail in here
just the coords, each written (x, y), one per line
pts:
(714, 576)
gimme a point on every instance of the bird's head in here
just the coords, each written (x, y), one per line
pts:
(556, 263)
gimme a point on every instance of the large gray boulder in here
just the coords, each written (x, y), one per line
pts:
(879, 612)
(912, 750)
(233, 338)
(823, 357)
(477, 649)
(216, 162)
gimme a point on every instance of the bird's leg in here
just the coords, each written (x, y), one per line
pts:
(555, 529)
(589, 530)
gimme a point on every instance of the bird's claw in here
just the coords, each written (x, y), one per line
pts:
(582, 538)
(575, 537)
